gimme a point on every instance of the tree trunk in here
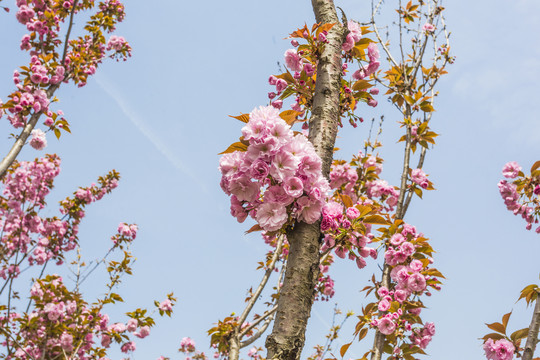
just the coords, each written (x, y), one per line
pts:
(302, 271)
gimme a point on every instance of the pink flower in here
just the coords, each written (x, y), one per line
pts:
(278, 104)
(66, 341)
(416, 282)
(293, 187)
(354, 30)
(283, 166)
(165, 305)
(419, 178)
(311, 212)
(384, 305)
(127, 347)
(429, 328)
(352, 213)
(373, 52)
(187, 345)
(397, 239)
(118, 327)
(428, 27)
(400, 296)
(293, 60)
(143, 332)
(271, 216)
(105, 341)
(416, 265)
(237, 210)
(511, 170)
(132, 325)
(38, 141)
(386, 326)
(116, 43)
(348, 44)
(383, 291)
(499, 350)
(361, 263)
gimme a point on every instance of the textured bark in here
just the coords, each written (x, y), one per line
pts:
(302, 271)
(532, 338)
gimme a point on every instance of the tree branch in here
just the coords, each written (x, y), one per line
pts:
(532, 337)
(21, 139)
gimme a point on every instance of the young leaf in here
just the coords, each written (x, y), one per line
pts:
(347, 201)
(255, 227)
(493, 336)
(242, 117)
(237, 146)
(289, 116)
(505, 319)
(535, 166)
(344, 349)
(375, 219)
(519, 334)
(498, 327)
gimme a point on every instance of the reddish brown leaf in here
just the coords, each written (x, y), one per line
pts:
(237, 146)
(242, 117)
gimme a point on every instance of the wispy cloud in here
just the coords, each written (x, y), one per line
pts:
(148, 133)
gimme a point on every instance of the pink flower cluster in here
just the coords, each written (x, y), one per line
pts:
(187, 346)
(278, 179)
(524, 201)
(62, 322)
(409, 279)
(325, 285)
(422, 337)
(120, 46)
(339, 222)
(343, 174)
(385, 192)
(28, 98)
(26, 233)
(499, 350)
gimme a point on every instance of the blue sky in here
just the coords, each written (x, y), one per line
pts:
(161, 118)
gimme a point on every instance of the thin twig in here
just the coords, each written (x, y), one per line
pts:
(263, 282)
